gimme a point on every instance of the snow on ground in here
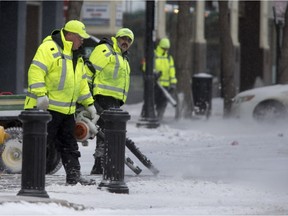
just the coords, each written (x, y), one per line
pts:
(207, 167)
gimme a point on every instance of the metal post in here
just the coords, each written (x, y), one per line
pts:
(148, 118)
(114, 156)
(279, 33)
(34, 152)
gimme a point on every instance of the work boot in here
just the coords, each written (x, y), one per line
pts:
(160, 113)
(99, 157)
(97, 167)
(81, 180)
(74, 176)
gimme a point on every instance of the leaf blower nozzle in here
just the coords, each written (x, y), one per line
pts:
(84, 129)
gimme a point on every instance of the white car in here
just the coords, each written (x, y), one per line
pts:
(267, 103)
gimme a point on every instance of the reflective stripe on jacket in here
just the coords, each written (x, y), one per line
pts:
(51, 73)
(112, 71)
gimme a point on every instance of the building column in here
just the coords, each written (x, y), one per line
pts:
(264, 43)
(234, 26)
(199, 45)
(161, 19)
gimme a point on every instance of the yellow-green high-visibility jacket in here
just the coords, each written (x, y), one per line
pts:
(112, 71)
(51, 73)
(165, 63)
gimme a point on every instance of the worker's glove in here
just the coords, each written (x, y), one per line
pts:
(43, 103)
(157, 75)
(94, 117)
(172, 88)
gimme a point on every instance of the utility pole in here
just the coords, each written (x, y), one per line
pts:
(148, 118)
(279, 20)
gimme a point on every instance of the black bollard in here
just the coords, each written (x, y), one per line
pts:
(114, 157)
(34, 152)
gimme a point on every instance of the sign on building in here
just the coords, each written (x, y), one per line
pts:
(102, 17)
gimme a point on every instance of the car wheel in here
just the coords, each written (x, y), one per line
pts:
(268, 111)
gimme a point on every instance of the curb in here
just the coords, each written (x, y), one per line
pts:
(30, 199)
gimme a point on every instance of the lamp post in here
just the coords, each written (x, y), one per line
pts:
(148, 118)
(279, 9)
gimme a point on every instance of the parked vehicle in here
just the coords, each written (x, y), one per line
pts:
(269, 103)
(11, 107)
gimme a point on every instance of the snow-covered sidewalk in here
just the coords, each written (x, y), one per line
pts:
(207, 167)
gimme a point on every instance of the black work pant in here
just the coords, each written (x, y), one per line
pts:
(104, 103)
(61, 136)
(160, 101)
